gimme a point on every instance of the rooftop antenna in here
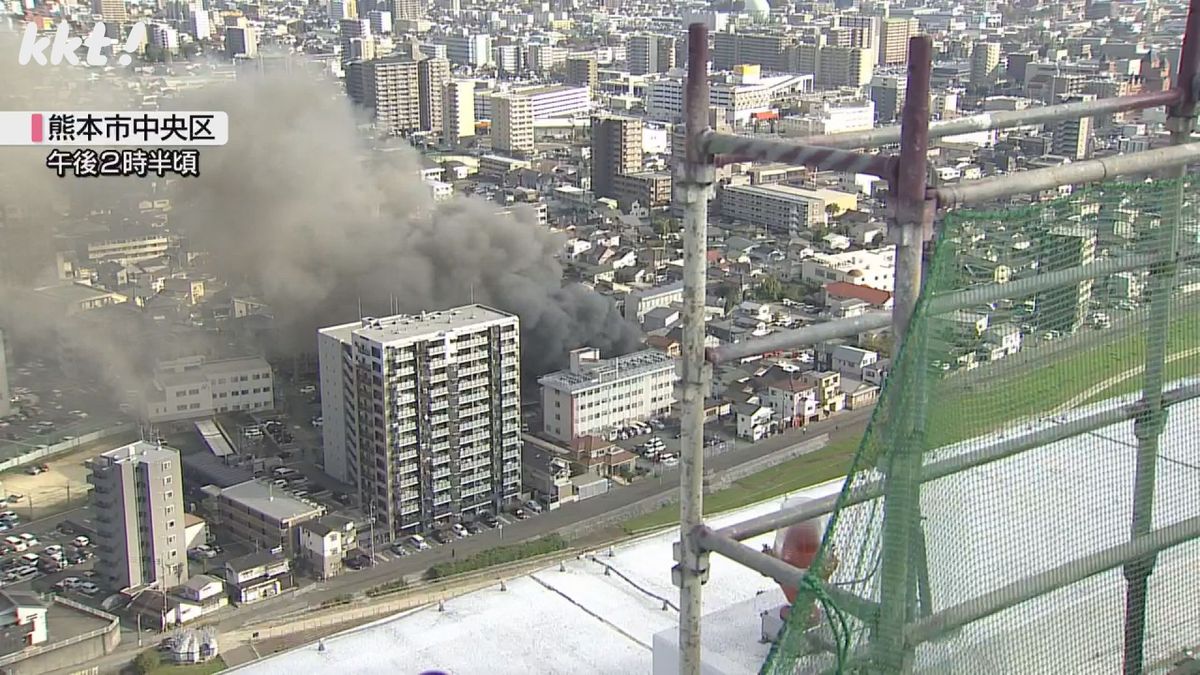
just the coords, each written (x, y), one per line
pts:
(360, 308)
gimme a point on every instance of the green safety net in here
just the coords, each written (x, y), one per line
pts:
(1017, 410)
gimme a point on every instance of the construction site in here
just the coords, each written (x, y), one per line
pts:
(1035, 517)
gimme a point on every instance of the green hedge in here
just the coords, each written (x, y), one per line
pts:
(498, 556)
(389, 587)
(336, 601)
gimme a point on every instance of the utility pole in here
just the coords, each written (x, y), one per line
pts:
(372, 521)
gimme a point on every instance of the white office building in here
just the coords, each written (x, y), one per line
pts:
(872, 268)
(638, 303)
(594, 395)
(474, 51)
(194, 388)
(422, 414)
(557, 101)
(740, 94)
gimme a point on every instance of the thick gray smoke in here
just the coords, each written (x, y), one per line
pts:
(299, 208)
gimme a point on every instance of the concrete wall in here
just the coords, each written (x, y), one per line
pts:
(65, 446)
(70, 653)
(713, 480)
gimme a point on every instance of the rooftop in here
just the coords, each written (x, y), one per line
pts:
(609, 370)
(263, 498)
(403, 328)
(139, 451)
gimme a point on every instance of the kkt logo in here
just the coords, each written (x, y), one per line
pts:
(64, 47)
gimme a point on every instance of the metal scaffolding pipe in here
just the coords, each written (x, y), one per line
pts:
(873, 138)
(951, 465)
(1025, 286)
(746, 148)
(800, 337)
(698, 174)
(1150, 424)
(957, 616)
(938, 305)
(783, 572)
(1075, 173)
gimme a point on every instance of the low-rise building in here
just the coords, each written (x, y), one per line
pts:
(258, 512)
(874, 268)
(850, 361)
(194, 387)
(793, 400)
(324, 544)
(22, 620)
(257, 576)
(547, 476)
(594, 395)
(754, 421)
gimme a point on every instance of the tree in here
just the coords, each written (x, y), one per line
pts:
(147, 662)
(770, 289)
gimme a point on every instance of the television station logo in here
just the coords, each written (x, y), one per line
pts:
(125, 144)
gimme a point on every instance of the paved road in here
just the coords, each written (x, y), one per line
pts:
(389, 567)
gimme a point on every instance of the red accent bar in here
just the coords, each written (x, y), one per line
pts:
(35, 128)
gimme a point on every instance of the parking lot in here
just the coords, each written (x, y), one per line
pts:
(38, 577)
(52, 407)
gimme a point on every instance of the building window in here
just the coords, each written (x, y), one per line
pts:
(170, 509)
(170, 524)
(166, 466)
(167, 480)
(171, 537)
(169, 494)
(174, 553)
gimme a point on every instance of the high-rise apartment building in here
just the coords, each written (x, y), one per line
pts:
(5, 394)
(422, 414)
(512, 125)
(774, 51)
(650, 53)
(985, 64)
(616, 150)
(894, 33)
(582, 72)
(458, 111)
(356, 40)
(408, 9)
(390, 86)
(843, 66)
(887, 93)
(137, 505)
(432, 76)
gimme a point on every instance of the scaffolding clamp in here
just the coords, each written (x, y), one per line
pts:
(699, 568)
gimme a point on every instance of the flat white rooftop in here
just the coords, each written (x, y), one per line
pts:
(423, 326)
(1038, 508)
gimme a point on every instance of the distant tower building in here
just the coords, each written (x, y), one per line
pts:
(512, 125)
(1065, 308)
(423, 415)
(355, 38)
(380, 21)
(432, 75)
(616, 150)
(343, 9)
(887, 92)
(408, 9)
(111, 11)
(241, 41)
(894, 34)
(582, 72)
(137, 507)
(199, 24)
(165, 38)
(1073, 138)
(985, 64)
(458, 111)
(391, 87)
(649, 53)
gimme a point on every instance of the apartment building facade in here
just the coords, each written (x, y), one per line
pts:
(512, 125)
(138, 512)
(422, 414)
(193, 388)
(594, 396)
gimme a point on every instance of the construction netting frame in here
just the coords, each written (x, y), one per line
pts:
(1016, 369)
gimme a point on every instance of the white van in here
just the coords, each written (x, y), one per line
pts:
(418, 542)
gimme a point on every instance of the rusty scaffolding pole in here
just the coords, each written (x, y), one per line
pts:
(914, 205)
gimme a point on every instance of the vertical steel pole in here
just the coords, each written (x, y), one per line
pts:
(697, 178)
(1152, 419)
(911, 227)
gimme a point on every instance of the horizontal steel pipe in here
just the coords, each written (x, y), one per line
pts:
(800, 337)
(957, 616)
(745, 148)
(1075, 173)
(782, 572)
(873, 138)
(952, 465)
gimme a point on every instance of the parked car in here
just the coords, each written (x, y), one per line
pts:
(520, 514)
(68, 583)
(54, 551)
(29, 539)
(490, 520)
(202, 552)
(397, 547)
(358, 562)
(441, 537)
(88, 588)
(418, 542)
(308, 389)
(18, 544)
(459, 530)
(475, 527)
(33, 470)
(533, 506)
(81, 541)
